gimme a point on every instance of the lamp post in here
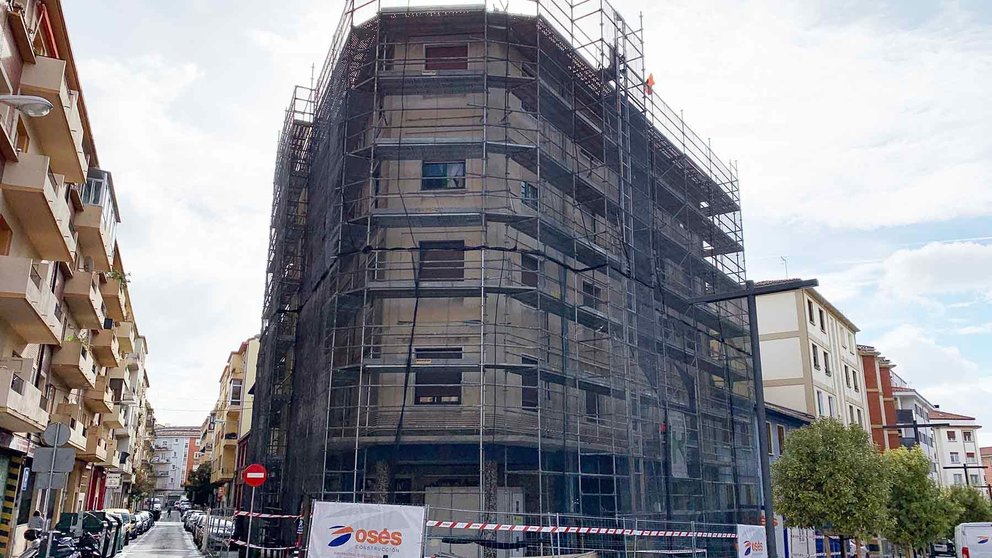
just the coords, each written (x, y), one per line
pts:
(751, 293)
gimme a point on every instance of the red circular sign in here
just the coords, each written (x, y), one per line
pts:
(254, 475)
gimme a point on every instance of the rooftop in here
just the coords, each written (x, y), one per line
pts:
(949, 416)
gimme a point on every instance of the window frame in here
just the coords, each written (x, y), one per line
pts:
(437, 387)
(442, 182)
(448, 62)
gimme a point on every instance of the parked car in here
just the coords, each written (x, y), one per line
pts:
(191, 518)
(144, 521)
(218, 531)
(129, 522)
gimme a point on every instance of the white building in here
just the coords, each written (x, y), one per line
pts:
(172, 459)
(809, 356)
(910, 406)
(957, 446)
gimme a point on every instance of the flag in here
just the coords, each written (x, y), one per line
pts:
(649, 84)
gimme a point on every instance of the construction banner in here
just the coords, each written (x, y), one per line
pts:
(751, 541)
(344, 530)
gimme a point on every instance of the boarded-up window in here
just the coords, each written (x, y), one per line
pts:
(446, 57)
(438, 387)
(442, 260)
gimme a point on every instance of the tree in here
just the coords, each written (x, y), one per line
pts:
(919, 512)
(970, 505)
(197, 485)
(830, 477)
(143, 485)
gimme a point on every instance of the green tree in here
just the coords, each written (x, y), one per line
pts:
(919, 512)
(831, 477)
(143, 485)
(970, 505)
(197, 485)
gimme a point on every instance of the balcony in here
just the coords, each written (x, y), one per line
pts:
(26, 302)
(125, 336)
(82, 296)
(73, 362)
(100, 398)
(96, 446)
(113, 297)
(96, 237)
(67, 414)
(133, 361)
(20, 401)
(106, 349)
(61, 132)
(221, 474)
(38, 198)
(115, 419)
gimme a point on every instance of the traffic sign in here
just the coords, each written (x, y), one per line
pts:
(254, 475)
(50, 481)
(54, 460)
(113, 480)
(56, 434)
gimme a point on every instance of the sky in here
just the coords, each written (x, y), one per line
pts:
(860, 129)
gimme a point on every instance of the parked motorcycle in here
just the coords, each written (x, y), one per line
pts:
(62, 547)
(89, 546)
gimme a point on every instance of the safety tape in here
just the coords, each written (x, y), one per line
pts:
(266, 515)
(243, 543)
(580, 530)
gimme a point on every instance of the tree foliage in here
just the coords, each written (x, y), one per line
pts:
(143, 485)
(919, 511)
(970, 506)
(831, 477)
(197, 485)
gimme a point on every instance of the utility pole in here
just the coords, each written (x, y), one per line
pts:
(967, 479)
(751, 293)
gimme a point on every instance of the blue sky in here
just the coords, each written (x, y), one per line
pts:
(861, 131)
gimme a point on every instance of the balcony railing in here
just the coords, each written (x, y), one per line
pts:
(74, 363)
(21, 407)
(37, 197)
(26, 302)
(82, 295)
(61, 132)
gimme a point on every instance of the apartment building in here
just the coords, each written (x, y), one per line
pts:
(985, 454)
(781, 422)
(809, 358)
(250, 350)
(222, 429)
(67, 329)
(172, 459)
(912, 407)
(957, 449)
(881, 403)
(487, 236)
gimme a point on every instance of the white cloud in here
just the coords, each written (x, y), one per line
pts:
(980, 329)
(840, 118)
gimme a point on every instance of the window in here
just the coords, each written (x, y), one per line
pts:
(952, 435)
(442, 175)
(823, 322)
(819, 402)
(958, 478)
(854, 379)
(437, 353)
(529, 194)
(592, 405)
(809, 311)
(591, 295)
(830, 404)
(974, 479)
(529, 269)
(781, 437)
(826, 364)
(236, 389)
(771, 444)
(861, 421)
(955, 458)
(446, 57)
(850, 413)
(528, 384)
(967, 435)
(442, 260)
(6, 235)
(816, 356)
(438, 388)
(847, 375)
(843, 339)
(970, 457)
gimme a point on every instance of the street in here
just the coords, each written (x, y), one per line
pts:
(166, 538)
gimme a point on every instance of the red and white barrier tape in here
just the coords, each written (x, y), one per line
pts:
(580, 530)
(266, 515)
(243, 543)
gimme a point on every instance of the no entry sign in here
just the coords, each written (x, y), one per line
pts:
(254, 475)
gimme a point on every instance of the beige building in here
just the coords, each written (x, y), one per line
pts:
(70, 350)
(809, 357)
(957, 449)
(222, 429)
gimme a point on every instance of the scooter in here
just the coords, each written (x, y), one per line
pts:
(89, 546)
(62, 547)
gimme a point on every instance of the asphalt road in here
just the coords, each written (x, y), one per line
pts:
(166, 538)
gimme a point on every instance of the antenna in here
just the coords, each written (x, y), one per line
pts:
(785, 261)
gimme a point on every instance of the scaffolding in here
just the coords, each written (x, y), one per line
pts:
(487, 233)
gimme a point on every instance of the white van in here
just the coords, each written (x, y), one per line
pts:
(973, 540)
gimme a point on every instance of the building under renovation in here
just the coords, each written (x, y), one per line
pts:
(488, 233)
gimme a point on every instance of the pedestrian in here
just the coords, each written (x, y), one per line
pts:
(35, 526)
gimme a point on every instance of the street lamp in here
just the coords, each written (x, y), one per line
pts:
(30, 105)
(751, 292)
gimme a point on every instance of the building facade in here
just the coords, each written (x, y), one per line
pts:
(67, 328)
(171, 461)
(809, 358)
(486, 239)
(958, 452)
(881, 402)
(250, 350)
(912, 407)
(222, 430)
